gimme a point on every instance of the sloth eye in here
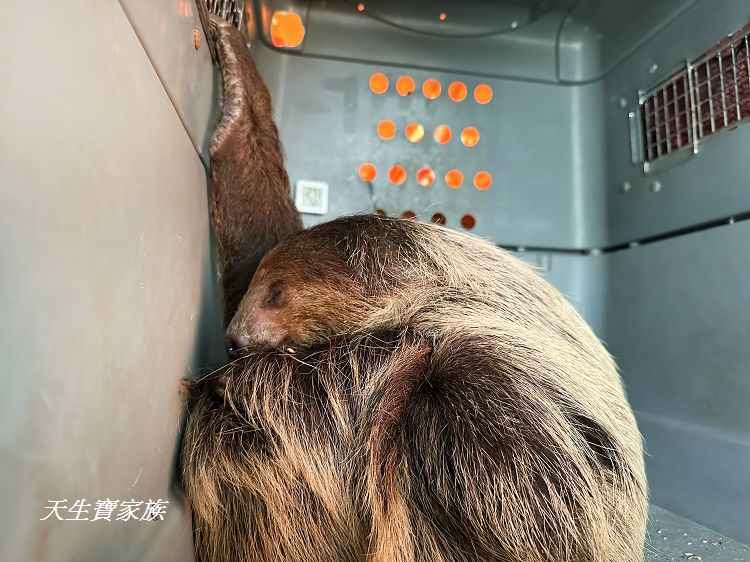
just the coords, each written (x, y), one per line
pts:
(275, 292)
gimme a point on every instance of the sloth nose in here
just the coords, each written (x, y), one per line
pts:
(236, 343)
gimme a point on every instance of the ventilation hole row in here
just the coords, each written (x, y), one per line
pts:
(431, 88)
(425, 176)
(467, 221)
(414, 132)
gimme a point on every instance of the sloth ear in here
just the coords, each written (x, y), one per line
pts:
(405, 371)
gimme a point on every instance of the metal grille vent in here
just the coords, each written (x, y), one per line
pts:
(712, 93)
(229, 10)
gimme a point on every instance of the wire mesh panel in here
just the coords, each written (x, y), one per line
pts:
(722, 87)
(667, 119)
(710, 94)
(229, 10)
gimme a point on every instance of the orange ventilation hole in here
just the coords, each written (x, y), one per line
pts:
(442, 134)
(431, 89)
(442, 16)
(360, 7)
(468, 222)
(482, 180)
(397, 174)
(367, 172)
(454, 179)
(470, 136)
(405, 85)
(414, 132)
(425, 177)
(378, 83)
(483, 94)
(409, 215)
(386, 129)
(287, 29)
(457, 91)
(438, 218)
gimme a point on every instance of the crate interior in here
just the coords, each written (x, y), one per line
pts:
(612, 154)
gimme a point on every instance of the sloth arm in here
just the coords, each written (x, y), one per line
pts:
(251, 203)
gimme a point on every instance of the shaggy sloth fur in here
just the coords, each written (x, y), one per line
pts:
(451, 407)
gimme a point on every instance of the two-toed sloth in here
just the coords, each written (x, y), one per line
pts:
(401, 392)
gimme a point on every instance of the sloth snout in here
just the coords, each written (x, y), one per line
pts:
(259, 333)
(238, 336)
(236, 343)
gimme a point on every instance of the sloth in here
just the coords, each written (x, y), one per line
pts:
(399, 391)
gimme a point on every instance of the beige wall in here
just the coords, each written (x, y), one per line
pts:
(105, 279)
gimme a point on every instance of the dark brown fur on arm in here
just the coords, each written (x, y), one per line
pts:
(250, 195)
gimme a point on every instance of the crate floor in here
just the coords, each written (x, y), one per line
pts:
(674, 538)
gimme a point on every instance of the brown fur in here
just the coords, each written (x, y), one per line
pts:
(438, 401)
(497, 430)
(250, 197)
(392, 447)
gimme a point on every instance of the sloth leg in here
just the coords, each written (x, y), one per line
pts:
(251, 200)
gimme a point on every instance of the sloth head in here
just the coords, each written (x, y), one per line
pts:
(329, 280)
